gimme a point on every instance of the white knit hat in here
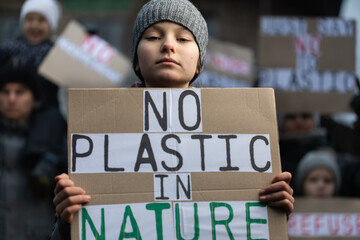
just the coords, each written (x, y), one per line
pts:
(50, 9)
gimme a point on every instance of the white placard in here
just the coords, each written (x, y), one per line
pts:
(172, 110)
(161, 152)
(191, 220)
(324, 225)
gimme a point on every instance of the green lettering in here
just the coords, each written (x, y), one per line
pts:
(158, 207)
(251, 220)
(85, 217)
(136, 232)
(196, 223)
(226, 222)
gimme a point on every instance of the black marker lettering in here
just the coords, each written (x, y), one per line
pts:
(161, 176)
(106, 157)
(228, 153)
(162, 120)
(202, 137)
(171, 151)
(252, 158)
(181, 110)
(145, 145)
(186, 191)
(75, 138)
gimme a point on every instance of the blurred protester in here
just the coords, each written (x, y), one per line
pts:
(32, 152)
(299, 133)
(318, 175)
(38, 22)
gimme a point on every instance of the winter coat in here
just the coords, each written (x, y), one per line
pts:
(30, 157)
(30, 57)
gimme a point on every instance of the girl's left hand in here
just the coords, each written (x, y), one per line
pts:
(279, 193)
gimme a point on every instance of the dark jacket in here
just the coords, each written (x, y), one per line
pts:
(26, 175)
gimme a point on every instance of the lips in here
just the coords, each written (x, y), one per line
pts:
(167, 61)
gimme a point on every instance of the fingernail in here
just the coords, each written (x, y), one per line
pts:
(88, 197)
(262, 198)
(262, 191)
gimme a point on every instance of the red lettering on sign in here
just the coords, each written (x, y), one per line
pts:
(304, 224)
(292, 224)
(318, 223)
(357, 224)
(346, 222)
(98, 48)
(307, 44)
(333, 220)
(231, 65)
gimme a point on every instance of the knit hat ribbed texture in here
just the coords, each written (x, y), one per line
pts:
(315, 159)
(50, 9)
(182, 12)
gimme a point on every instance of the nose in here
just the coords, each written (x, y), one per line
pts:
(12, 97)
(168, 45)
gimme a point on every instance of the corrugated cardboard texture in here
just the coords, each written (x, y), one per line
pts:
(337, 53)
(323, 103)
(67, 71)
(233, 51)
(326, 205)
(237, 111)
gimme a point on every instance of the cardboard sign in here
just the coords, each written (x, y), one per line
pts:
(333, 218)
(227, 65)
(174, 163)
(79, 59)
(308, 55)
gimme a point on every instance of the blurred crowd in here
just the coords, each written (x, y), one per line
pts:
(33, 144)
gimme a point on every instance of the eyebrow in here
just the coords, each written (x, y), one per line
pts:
(159, 28)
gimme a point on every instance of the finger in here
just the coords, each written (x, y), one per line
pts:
(277, 196)
(285, 204)
(68, 214)
(67, 205)
(277, 187)
(63, 183)
(61, 176)
(67, 192)
(284, 176)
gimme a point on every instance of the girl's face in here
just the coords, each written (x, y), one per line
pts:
(36, 28)
(319, 182)
(168, 56)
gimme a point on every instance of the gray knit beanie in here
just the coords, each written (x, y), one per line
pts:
(315, 159)
(182, 12)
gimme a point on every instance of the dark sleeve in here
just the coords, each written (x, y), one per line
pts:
(61, 230)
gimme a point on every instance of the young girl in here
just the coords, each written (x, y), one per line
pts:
(38, 21)
(168, 50)
(318, 175)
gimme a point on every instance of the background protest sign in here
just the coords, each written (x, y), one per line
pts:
(312, 57)
(227, 65)
(332, 218)
(174, 163)
(79, 59)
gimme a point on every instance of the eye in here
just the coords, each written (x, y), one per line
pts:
(183, 39)
(152, 38)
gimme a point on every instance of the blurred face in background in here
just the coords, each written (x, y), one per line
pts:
(297, 123)
(36, 28)
(320, 182)
(16, 101)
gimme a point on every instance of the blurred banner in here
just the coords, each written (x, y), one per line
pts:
(227, 65)
(325, 218)
(310, 61)
(82, 60)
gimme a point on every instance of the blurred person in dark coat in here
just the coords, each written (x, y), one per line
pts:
(32, 152)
